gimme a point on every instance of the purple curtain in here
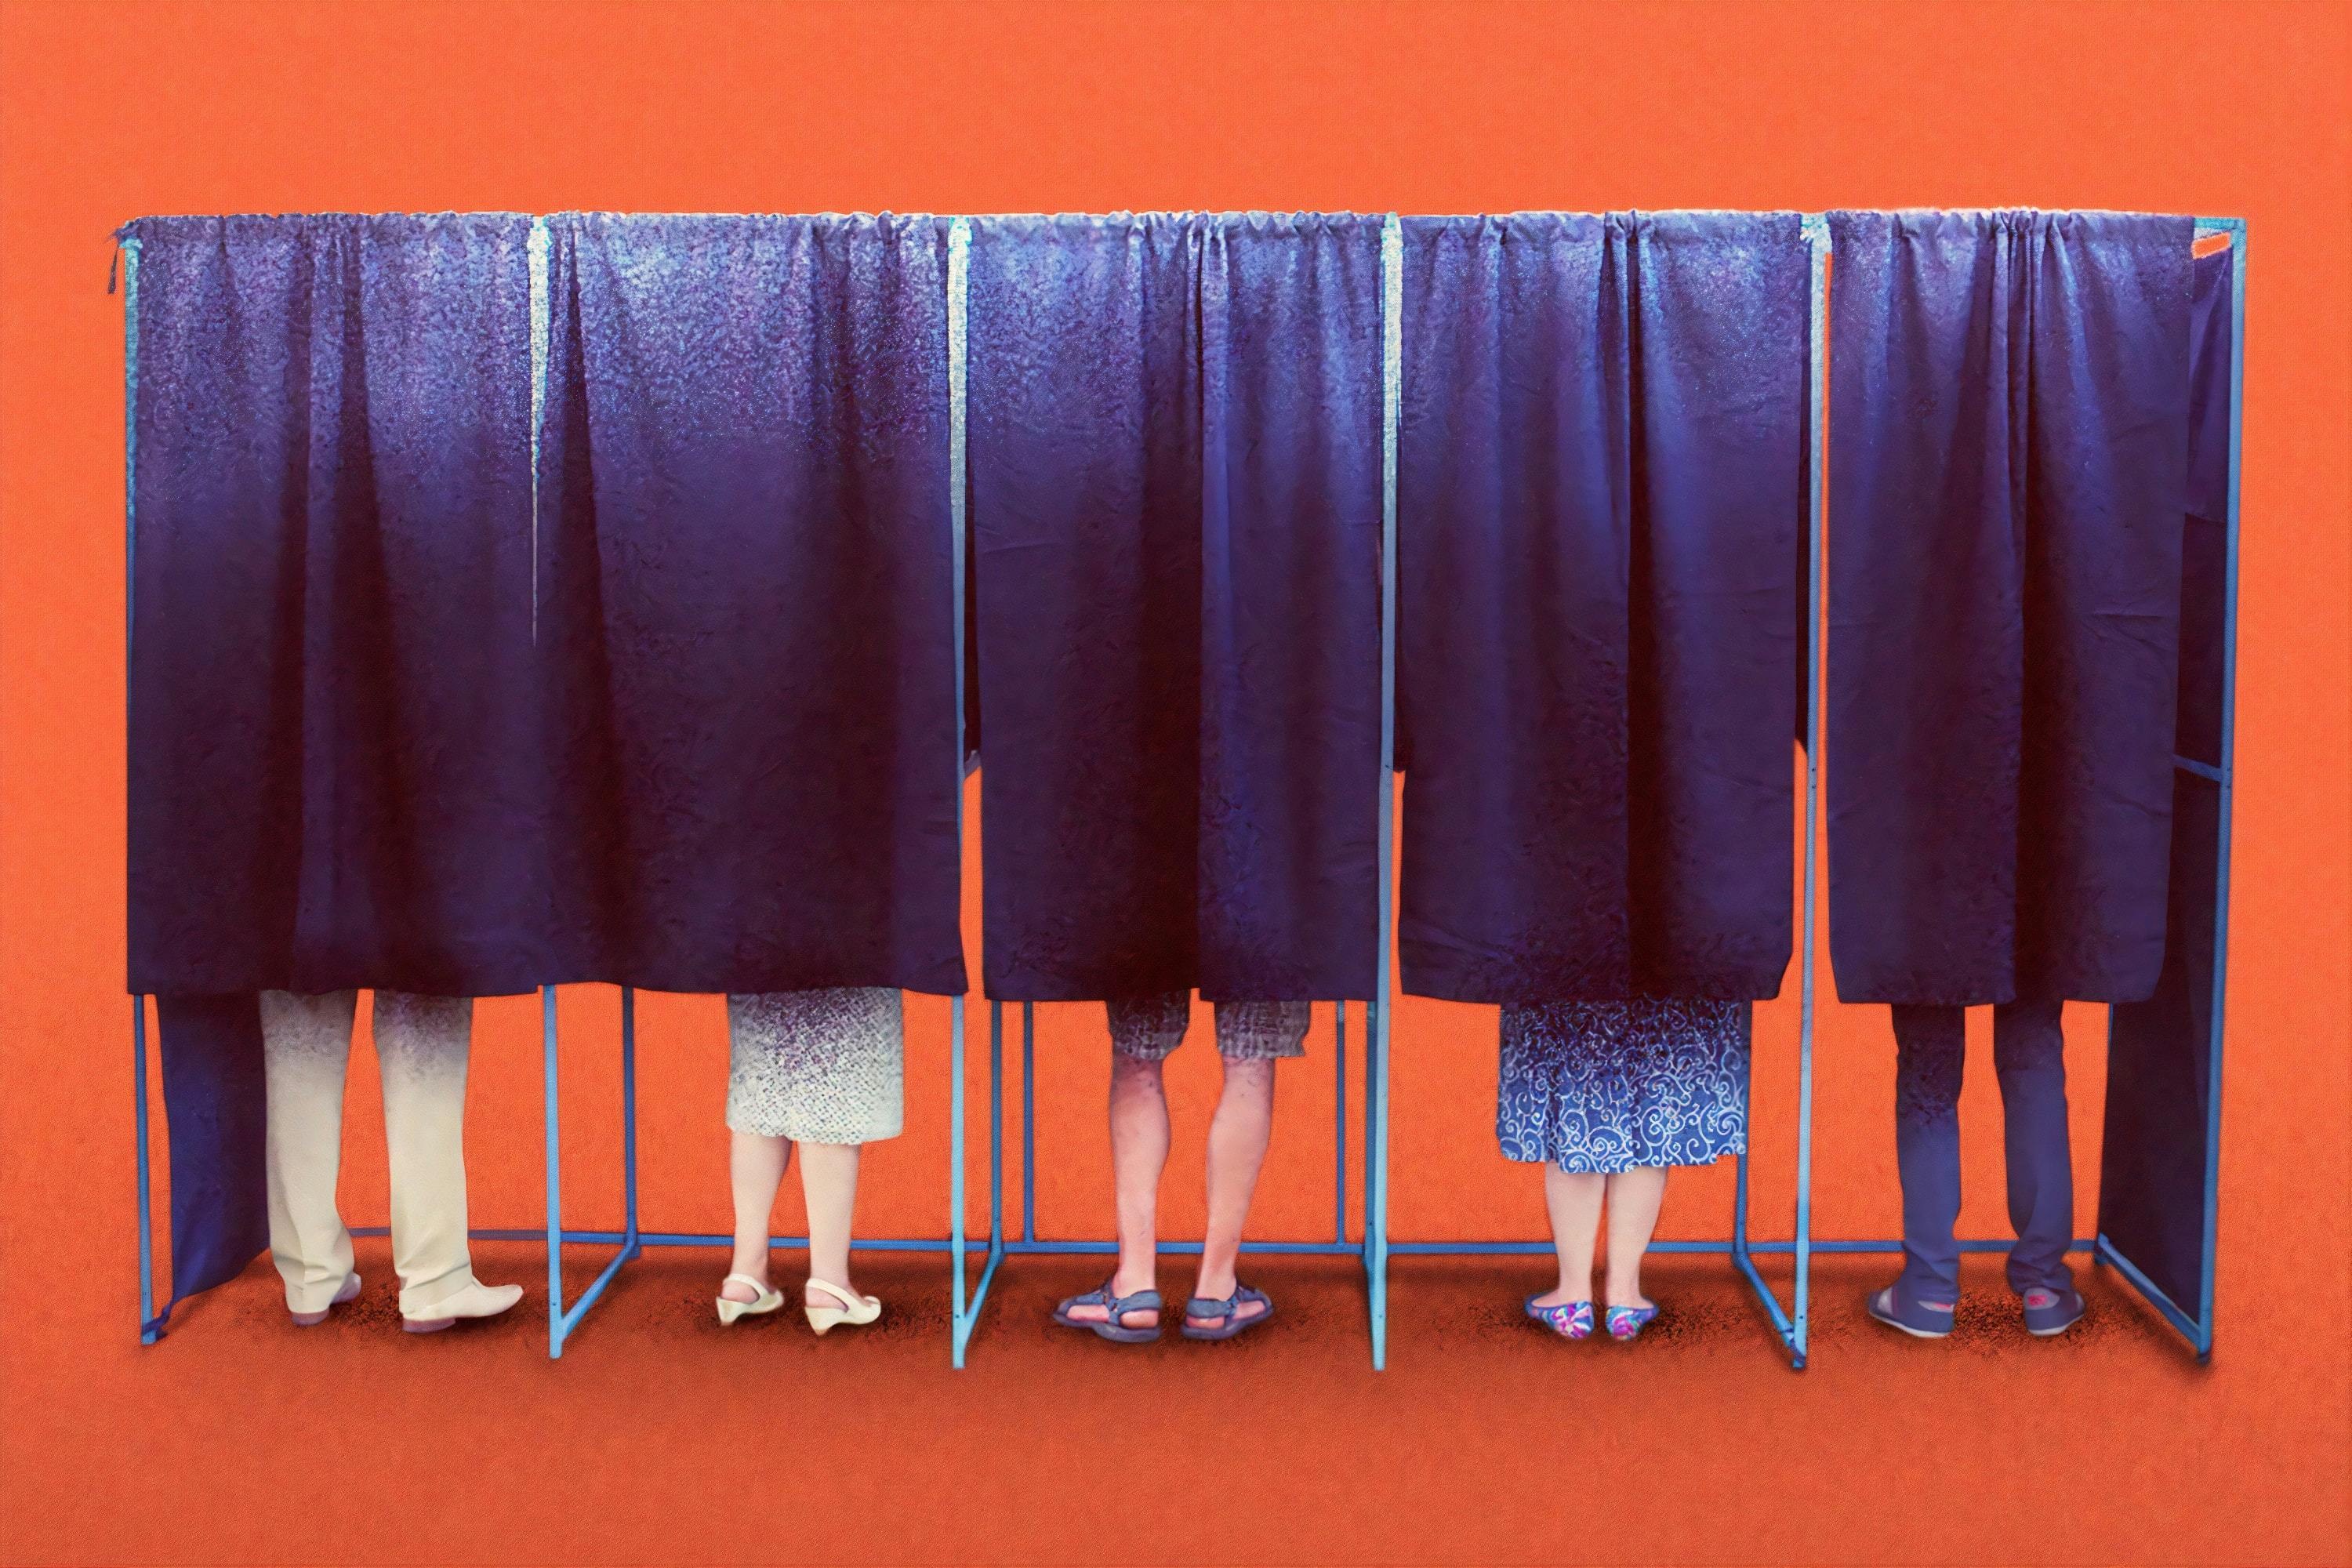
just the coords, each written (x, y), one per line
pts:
(332, 775)
(1176, 500)
(2009, 424)
(1601, 509)
(746, 604)
(1085, 403)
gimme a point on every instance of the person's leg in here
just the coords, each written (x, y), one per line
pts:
(829, 1189)
(1929, 1045)
(1142, 1032)
(757, 1150)
(755, 1169)
(2029, 1058)
(1573, 1200)
(1139, 1154)
(1239, 1134)
(1251, 1037)
(421, 1048)
(1635, 1199)
(306, 1043)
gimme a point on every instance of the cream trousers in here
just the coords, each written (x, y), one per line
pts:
(421, 1045)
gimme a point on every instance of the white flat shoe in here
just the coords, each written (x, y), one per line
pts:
(853, 1308)
(348, 1291)
(729, 1309)
(476, 1300)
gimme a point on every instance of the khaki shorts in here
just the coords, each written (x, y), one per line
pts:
(1145, 1029)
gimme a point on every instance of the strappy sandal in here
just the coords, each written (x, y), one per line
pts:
(1113, 1324)
(729, 1310)
(1227, 1314)
(1569, 1320)
(851, 1308)
(1627, 1323)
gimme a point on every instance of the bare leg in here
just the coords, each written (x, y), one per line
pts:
(829, 1186)
(1238, 1136)
(1574, 1199)
(1138, 1153)
(756, 1165)
(1634, 1197)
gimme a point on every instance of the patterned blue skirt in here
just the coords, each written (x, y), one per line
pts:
(1615, 1086)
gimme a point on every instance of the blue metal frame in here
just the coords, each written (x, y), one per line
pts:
(150, 1322)
(1377, 1017)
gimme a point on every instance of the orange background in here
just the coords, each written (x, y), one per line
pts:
(659, 1436)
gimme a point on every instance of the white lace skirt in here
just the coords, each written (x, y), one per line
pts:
(824, 1067)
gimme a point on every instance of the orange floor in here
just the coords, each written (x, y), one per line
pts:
(659, 1438)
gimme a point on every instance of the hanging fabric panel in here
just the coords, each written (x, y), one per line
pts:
(1601, 507)
(2159, 1126)
(1086, 510)
(1176, 496)
(333, 774)
(1291, 605)
(2009, 417)
(216, 1102)
(746, 603)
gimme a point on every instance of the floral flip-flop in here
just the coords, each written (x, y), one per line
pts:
(1569, 1320)
(1627, 1323)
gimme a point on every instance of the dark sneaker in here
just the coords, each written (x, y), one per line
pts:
(1896, 1309)
(2049, 1313)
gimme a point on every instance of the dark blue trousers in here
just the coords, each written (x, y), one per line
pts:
(2028, 1058)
